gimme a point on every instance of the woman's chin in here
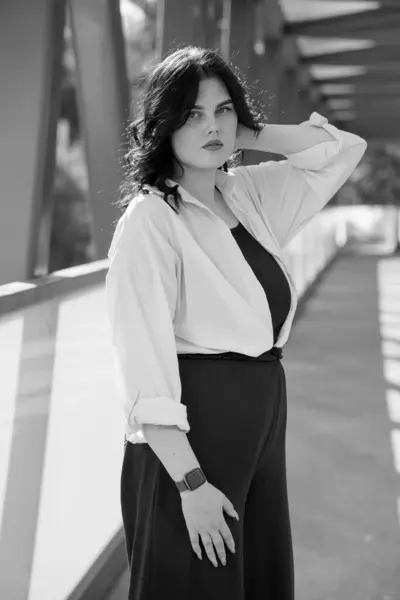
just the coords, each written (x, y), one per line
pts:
(207, 163)
(214, 162)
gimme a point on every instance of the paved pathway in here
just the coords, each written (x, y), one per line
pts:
(343, 370)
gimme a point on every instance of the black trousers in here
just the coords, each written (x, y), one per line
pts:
(237, 411)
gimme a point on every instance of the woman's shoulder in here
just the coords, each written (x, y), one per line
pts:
(149, 215)
(146, 216)
(148, 206)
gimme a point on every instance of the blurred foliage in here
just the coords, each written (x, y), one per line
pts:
(379, 181)
(376, 179)
(71, 236)
(139, 28)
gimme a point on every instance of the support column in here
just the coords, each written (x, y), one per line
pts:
(179, 23)
(240, 34)
(226, 28)
(211, 15)
(305, 106)
(31, 45)
(318, 104)
(266, 64)
(306, 94)
(103, 97)
(294, 77)
(266, 71)
(289, 98)
(271, 70)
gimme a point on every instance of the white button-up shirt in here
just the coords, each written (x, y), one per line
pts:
(180, 283)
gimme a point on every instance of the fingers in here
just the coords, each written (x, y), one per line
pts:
(213, 543)
(227, 536)
(194, 540)
(207, 539)
(215, 539)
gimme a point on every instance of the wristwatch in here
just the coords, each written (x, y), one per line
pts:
(191, 480)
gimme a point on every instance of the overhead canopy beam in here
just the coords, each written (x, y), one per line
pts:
(370, 115)
(377, 128)
(388, 70)
(387, 3)
(374, 78)
(378, 121)
(360, 102)
(357, 24)
(387, 67)
(373, 94)
(367, 102)
(367, 57)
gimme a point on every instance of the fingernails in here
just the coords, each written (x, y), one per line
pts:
(237, 516)
(200, 556)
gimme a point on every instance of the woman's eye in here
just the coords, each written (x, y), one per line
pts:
(195, 114)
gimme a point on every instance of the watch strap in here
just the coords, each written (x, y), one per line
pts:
(187, 483)
(182, 486)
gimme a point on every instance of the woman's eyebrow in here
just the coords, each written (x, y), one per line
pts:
(218, 105)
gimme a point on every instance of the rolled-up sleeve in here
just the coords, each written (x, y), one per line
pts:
(141, 295)
(290, 192)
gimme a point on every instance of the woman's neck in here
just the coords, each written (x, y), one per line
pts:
(200, 184)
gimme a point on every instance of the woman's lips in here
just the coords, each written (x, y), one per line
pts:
(213, 147)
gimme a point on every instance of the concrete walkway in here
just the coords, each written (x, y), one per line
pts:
(343, 373)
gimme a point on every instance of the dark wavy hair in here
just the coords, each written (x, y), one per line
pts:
(171, 92)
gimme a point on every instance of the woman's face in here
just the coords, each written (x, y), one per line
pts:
(212, 118)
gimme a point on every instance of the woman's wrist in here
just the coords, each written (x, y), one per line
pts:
(186, 493)
(281, 139)
(289, 139)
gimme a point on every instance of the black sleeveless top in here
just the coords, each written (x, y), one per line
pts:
(268, 273)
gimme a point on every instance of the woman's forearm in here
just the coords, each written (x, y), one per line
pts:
(172, 447)
(287, 139)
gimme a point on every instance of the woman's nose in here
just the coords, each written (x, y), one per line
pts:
(212, 125)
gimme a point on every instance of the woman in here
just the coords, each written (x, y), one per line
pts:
(201, 304)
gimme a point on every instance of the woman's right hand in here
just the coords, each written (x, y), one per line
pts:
(203, 512)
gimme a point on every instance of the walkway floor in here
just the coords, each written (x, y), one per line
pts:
(343, 439)
(343, 372)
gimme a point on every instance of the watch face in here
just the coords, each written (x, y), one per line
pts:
(195, 479)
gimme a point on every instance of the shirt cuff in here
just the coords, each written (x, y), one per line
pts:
(320, 155)
(159, 411)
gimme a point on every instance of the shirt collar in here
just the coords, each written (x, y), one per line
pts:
(225, 181)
